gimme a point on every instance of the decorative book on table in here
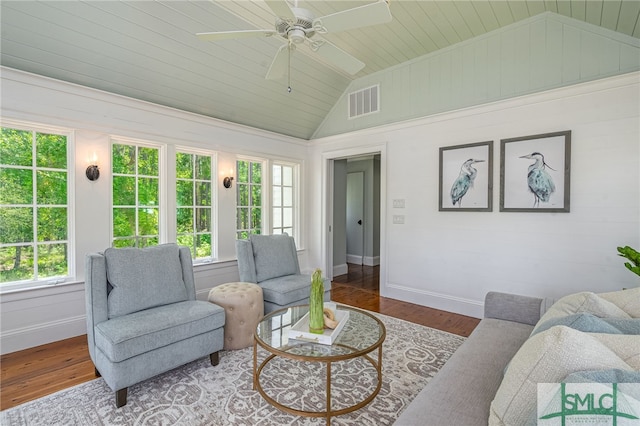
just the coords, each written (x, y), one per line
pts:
(300, 330)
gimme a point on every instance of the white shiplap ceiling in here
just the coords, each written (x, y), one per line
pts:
(148, 49)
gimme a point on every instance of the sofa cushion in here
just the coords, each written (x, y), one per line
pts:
(127, 336)
(549, 357)
(274, 256)
(592, 324)
(143, 278)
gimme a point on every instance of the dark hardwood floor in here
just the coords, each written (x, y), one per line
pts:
(360, 288)
(36, 372)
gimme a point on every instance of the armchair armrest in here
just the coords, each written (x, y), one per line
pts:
(95, 281)
(246, 264)
(513, 307)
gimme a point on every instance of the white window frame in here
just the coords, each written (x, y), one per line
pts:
(162, 185)
(214, 199)
(267, 227)
(70, 277)
(265, 206)
(295, 185)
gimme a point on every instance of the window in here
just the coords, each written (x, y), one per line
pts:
(194, 219)
(283, 199)
(34, 206)
(249, 199)
(136, 195)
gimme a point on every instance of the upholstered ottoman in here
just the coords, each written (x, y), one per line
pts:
(243, 307)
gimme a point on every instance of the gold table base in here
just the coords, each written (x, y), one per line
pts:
(257, 370)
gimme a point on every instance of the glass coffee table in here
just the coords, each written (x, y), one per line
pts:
(362, 334)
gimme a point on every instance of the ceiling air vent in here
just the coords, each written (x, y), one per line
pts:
(364, 101)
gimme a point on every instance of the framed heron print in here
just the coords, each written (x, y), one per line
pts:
(466, 177)
(535, 173)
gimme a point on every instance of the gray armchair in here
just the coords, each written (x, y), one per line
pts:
(142, 316)
(271, 261)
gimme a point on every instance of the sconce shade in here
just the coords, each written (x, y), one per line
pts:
(93, 172)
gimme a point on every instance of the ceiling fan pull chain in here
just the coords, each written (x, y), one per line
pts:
(289, 76)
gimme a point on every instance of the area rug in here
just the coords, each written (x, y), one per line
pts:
(200, 394)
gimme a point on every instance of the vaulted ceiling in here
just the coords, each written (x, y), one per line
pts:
(148, 50)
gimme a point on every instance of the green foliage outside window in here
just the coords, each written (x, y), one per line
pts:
(249, 199)
(136, 195)
(33, 206)
(194, 203)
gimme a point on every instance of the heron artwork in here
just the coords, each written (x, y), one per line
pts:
(464, 181)
(539, 180)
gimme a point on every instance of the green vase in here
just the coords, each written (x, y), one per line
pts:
(316, 300)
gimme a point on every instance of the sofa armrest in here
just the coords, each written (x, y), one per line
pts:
(513, 307)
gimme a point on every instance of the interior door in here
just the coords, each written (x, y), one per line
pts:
(355, 217)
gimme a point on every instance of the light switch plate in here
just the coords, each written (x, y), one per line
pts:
(398, 219)
(398, 204)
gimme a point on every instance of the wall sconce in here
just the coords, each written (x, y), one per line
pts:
(93, 172)
(226, 182)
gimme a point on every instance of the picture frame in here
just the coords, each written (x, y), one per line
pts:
(466, 177)
(535, 173)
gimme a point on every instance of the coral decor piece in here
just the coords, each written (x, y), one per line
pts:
(316, 303)
(329, 319)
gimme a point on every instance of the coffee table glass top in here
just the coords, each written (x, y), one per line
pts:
(362, 333)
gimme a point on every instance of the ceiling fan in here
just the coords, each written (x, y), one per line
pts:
(299, 27)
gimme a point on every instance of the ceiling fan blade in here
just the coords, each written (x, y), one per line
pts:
(336, 56)
(228, 35)
(281, 9)
(362, 16)
(279, 64)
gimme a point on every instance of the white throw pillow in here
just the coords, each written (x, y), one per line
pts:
(548, 357)
(584, 302)
(627, 300)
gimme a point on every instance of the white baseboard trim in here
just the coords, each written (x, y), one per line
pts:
(355, 259)
(371, 260)
(444, 302)
(340, 269)
(36, 335)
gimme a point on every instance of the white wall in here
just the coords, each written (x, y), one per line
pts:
(449, 260)
(38, 316)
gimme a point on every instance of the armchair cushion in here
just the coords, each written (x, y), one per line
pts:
(274, 256)
(285, 290)
(127, 336)
(143, 278)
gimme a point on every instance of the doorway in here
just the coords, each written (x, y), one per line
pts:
(356, 214)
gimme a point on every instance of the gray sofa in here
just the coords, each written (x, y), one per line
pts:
(461, 392)
(271, 261)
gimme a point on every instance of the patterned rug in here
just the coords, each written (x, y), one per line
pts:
(200, 394)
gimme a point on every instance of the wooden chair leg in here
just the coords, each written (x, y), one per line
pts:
(121, 397)
(97, 372)
(215, 358)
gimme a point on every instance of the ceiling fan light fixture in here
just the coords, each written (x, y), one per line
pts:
(297, 35)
